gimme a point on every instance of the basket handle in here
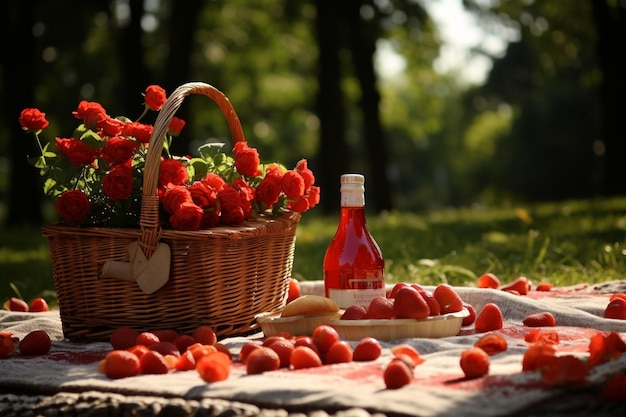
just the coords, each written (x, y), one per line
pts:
(149, 220)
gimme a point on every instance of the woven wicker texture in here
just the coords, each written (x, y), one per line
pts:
(222, 277)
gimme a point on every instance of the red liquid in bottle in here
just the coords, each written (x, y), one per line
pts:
(354, 268)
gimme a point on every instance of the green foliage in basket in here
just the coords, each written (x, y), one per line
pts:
(96, 176)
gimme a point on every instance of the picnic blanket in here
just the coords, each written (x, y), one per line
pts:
(439, 388)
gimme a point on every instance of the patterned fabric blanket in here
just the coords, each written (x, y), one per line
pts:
(439, 388)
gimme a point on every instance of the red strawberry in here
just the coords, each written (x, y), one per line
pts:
(474, 363)
(380, 308)
(39, 305)
(616, 309)
(17, 304)
(36, 342)
(448, 299)
(397, 287)
(520, 285)
(472, 314)
(492, 343)
(409, 304)
(489, 318)
(488, 280)
(354, 312)
(539, 320)
(544, 286)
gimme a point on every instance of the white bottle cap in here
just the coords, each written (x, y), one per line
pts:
(352, 190)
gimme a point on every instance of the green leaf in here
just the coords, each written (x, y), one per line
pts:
(210, 150)
(92, 139)
(200, 167)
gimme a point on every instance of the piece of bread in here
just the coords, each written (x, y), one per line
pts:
(309, 304)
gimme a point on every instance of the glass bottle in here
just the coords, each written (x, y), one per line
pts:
(354, 268)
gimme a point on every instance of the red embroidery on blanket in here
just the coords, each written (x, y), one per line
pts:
(77, 358)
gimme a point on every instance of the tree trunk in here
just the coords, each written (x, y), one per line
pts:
(333, 154)
(363, 46)
(611, 29)
(25, 192)
(183, 25)
(135, 72)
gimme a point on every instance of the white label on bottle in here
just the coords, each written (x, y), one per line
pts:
(346, 298)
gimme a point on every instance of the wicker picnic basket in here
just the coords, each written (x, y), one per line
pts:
(223, 277)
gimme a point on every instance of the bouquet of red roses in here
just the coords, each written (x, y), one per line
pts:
(95, 176)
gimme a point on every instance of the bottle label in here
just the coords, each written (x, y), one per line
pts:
(346, 298)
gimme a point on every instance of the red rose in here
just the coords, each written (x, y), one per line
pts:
(73, 206)
(313, 196)
(228, 198)
(175, 126)
(139, 131)
(174, 197)
(90, 113)
(118, 150)
(210, 218)
(246, 159)
(33, 119)
(118, 183)
(214, 181)
(269, 190)
(293, 185)
(245, 190)
(78, 152)
(307, 174)
(300, 205)
(233, 215)
(202, 194)
(110, 126)
(172, 171)
(187, 217)
(155, 97)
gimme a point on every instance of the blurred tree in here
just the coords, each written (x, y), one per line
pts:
(549, 82)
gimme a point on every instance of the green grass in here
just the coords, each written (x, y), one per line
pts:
(565, 244)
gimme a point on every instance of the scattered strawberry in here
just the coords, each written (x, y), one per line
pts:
(397, 374)
(489, 318)
(294, 290)
(544, 286)
(407, 351)
(36, 342)
(17, 304)
(538, 356)
(146, 339)
(543, 319)
(304, 357)
(283, 347)
(152, 362)
(38, 305)
(564, 370)
(367, 349)
(324, 337)
(214, 367)
(339, 352)
(205, 335)
(538, 335)
(120, 364)
(488, 280)
(616, 309)
(520, 286)
(7, 344)
(474, 363)
(492, 343)
(262, 360)
(123, 338)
